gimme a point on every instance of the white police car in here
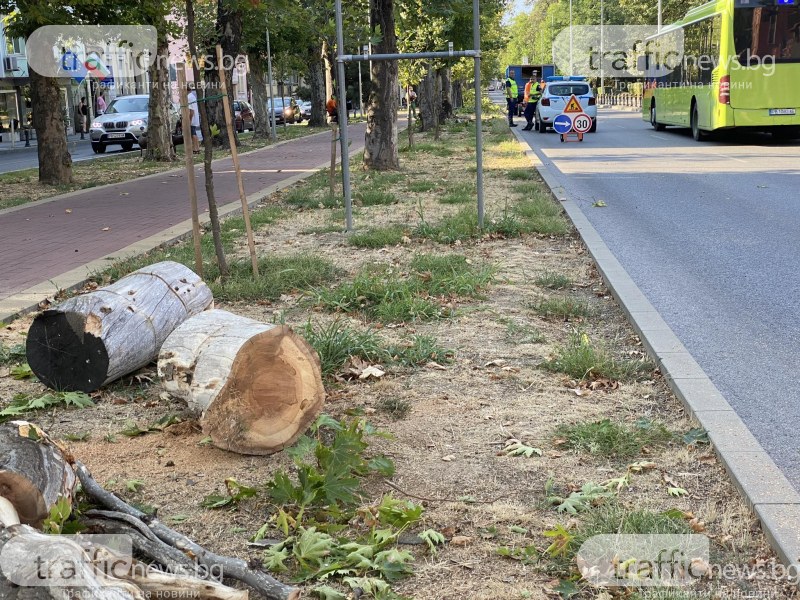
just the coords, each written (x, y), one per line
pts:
(554, 100)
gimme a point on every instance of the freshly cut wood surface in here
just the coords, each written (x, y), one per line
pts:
(34, 471)
(93, 339)
(258, 386)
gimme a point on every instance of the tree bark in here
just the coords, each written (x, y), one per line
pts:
(427, 104)
(55, 162)
(380, 140)
(230, 25)
(330, 76)
(257, 386)
(316, 80)
(159, 127)
(34, 472)
(90, 340)
(258, 84)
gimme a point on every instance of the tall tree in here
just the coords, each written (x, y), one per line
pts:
(159, 127)
(380, 140)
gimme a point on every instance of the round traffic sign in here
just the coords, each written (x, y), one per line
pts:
(582, 122)
(562, 124)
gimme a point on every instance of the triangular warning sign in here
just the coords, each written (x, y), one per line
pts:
(573, 106)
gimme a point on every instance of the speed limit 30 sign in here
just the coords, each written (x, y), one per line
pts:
(581, 122)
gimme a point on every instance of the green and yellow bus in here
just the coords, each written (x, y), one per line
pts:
(727, 64)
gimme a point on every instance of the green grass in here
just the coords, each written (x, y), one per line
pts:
(332, 228)
(421, 186)
(610, 439)
(517, 333)
(521, 174)
(458, 227)
(565, 308)
(378, 237)
(581, 360)
(337, 342)
(394, 407)
(430, 148)
(553, 281)
(384, 294)
(9, 202)
(304, 197)
(375, 197)
(380, 180)
(541, 215)
(459, 193)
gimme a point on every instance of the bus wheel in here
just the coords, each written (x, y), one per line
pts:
(698, 134)
(654, 121)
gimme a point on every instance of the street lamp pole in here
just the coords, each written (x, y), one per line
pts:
(360, 92)
(571, 72)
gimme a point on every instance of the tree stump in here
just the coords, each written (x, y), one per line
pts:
(34, 471)
(93, 339)
(257, 386)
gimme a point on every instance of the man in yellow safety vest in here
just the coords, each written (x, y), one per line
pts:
(511, 96)
(533, 92)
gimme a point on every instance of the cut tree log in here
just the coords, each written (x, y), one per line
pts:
(93, 339)
(34, 472)
(257, 386)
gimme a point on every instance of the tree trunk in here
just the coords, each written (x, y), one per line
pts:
(258, 84)
(257, 386)
(34, 472)
(55, 162)
(327, 61)
(427, 105)
(93, 339)
(159, 128)
(316, 80)
(380, 140)
(229, 29)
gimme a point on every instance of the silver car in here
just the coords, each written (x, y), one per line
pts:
(123, 123)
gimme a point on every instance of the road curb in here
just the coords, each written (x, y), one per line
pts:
(763, 486)
(28, 300)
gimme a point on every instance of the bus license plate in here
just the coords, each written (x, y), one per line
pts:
(116, 135)
(781, 111)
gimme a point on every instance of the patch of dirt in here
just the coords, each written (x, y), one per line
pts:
(448, 448)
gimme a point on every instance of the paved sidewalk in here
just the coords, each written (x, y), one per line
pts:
(57, 242)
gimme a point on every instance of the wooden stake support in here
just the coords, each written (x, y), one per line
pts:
(235, 157)
(187, 144)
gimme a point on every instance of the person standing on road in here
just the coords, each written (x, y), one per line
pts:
(83, 110)
(532, 94)
(101, 104)
(194, 118)
(511, 96)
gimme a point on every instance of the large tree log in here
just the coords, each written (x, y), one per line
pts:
(93, 339)
(257, 386)
(34, 473)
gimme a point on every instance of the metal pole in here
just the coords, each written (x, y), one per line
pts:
(659, 15)
(342, 111)
(476, 35)
(271, 115)
(602, 38)
(571, 71)
(360, 93)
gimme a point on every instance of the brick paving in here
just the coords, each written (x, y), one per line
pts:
(42, 241)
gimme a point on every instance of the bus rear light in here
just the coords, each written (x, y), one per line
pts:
(724, 89)
(545, 101)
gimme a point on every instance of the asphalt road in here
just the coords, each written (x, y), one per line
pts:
(709, 232)
(26, 158)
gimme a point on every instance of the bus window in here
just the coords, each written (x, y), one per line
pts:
(767, 31)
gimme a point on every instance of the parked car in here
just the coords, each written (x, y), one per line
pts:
(278, 106)
(122, 124)
(305, 110)
(243, 116)
(554, 100)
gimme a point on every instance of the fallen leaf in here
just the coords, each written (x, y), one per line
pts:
(406, 240)
(372, 371)
(434, 365)
(124, 194)
(106, 229)
(581, 392)
(460, 540)
(449, 458)
(599, 204)
(697, 525)
(498, 362)
(165, 396)
(68, 211)
(669, 480)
